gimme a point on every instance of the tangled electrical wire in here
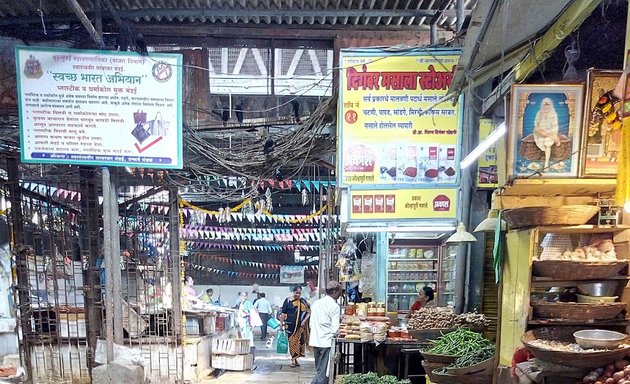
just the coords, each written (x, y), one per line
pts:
(278, 156)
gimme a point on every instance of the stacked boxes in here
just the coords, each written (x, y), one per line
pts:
(232, 354)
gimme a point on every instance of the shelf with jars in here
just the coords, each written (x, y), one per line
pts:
(410, 267)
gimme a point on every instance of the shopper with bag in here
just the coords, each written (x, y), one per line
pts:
(263, 307)
(295, 314)
(325, 315)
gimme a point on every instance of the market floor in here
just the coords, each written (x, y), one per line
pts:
(269, 367)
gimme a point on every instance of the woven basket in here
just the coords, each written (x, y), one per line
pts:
(577, 311)
(485, 367)
(530, 151)
(475, 378)
(571, 359)
(536, 216)
(577, 270)
(436, 358)
(429, 367)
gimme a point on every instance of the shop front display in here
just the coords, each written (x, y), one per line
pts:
(410, 268)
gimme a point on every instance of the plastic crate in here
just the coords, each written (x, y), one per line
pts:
(233, 362)
(230, 346)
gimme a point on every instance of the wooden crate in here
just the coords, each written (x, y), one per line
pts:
(230, 346)
(233, 362)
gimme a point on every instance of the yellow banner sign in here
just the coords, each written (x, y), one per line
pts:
(487, 174)
(392, 129)
(394, 204)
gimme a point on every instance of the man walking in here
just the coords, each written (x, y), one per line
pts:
(324, 322)
(263, 307)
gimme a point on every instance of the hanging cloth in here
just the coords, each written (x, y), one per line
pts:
(498, 251)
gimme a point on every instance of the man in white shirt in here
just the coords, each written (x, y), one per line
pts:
(263, 307)
(324, 322)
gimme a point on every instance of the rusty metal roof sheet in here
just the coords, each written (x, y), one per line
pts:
(401, 13)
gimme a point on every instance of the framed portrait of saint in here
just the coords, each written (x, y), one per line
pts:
(545, 128)
(601, 131)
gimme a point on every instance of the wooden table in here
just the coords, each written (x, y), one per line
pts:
(362, 357)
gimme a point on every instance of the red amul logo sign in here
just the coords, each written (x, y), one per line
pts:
(441, 203)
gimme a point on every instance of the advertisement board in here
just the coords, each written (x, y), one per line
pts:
(403, 204)
(292, 274)
(487, 173)
(392, 130)
(99, 107)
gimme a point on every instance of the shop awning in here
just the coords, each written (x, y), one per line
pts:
(514, 36)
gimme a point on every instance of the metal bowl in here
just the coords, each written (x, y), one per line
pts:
(598, 339)
(604, 288)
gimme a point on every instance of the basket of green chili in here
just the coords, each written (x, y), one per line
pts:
(456, 344)
(440, 376)
(482, 361)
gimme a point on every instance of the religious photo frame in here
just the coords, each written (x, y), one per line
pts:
(545, 124)
(601, 130)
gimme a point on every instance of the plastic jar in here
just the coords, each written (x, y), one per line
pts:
(380, 309)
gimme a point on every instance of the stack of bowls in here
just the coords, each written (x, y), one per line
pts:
(597, 293)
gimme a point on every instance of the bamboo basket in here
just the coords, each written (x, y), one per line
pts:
(540, 216)
(441, 378)
(572, 359)
(485, 367)
(429, 367)
(530, 151)
(577, 270)
(436, 358)
(577, 311)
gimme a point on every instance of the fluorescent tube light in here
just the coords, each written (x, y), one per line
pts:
(420, 228)
(484, 145)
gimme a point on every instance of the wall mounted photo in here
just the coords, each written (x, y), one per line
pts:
(545, 127)
(601, 131)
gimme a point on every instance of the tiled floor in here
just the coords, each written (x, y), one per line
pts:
(269, 367)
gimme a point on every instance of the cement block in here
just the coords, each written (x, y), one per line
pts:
(118, 373)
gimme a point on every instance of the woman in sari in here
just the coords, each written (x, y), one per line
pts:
(244, 318)
(295, 314)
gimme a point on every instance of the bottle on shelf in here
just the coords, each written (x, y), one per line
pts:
(404, 303)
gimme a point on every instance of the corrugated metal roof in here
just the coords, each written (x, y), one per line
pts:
(277, 12)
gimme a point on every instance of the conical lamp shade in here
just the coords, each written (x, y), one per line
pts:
(461, 236)
(489, 224)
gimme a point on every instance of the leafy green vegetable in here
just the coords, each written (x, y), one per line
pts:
(369, 378)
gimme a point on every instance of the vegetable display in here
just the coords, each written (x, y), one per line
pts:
(432, 318)
(369, 378)
(459, 343)
(618, 373)
(474, 357)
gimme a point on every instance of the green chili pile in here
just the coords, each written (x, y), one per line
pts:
(474, 357)
(459, 343)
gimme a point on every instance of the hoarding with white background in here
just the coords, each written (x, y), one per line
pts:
(99, 107)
